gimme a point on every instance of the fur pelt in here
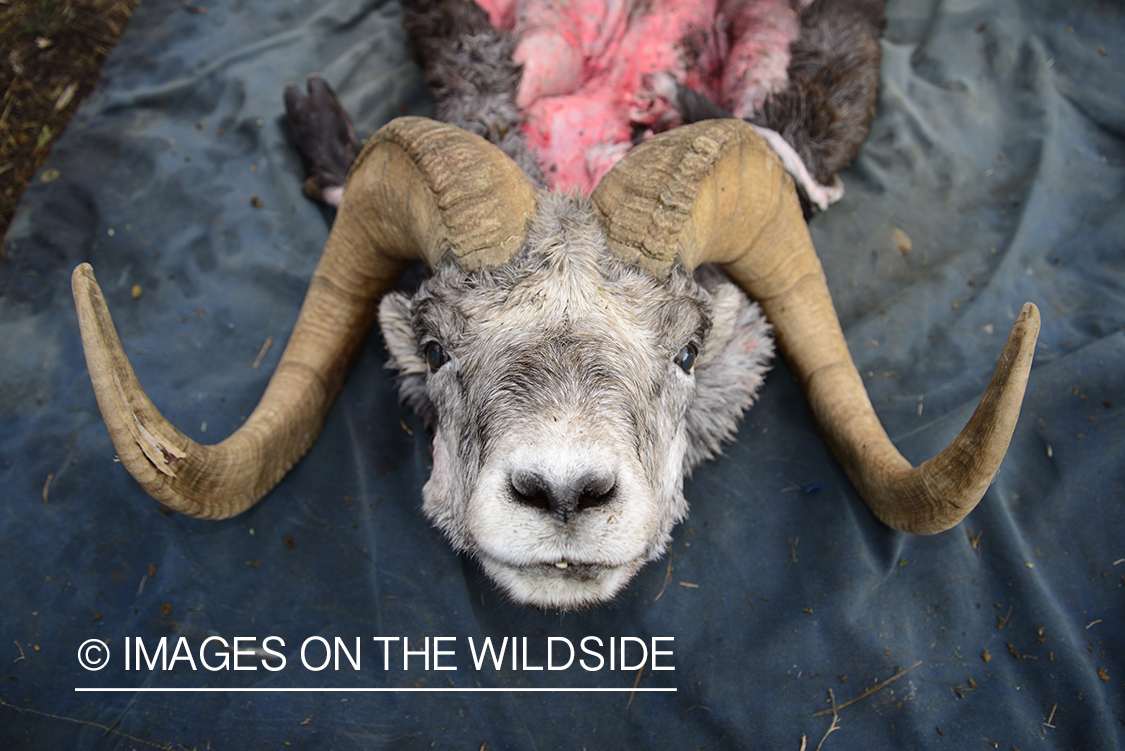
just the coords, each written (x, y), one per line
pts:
(816, 112)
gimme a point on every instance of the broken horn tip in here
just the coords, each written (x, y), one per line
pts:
(84, 287)
(82, 272)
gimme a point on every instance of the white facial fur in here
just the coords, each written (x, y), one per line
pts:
(562, 422)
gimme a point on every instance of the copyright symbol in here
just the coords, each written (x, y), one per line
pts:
(93, 654)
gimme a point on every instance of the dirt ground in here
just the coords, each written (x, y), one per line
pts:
(51, 55)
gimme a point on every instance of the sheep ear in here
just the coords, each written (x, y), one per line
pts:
(394, 321)
(730, 372)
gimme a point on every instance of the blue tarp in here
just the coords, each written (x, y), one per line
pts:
(998, 152)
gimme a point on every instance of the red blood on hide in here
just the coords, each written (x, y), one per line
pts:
(583, 91)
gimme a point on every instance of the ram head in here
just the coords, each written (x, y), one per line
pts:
(572, 358)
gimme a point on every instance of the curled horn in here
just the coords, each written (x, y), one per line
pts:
(713, 192)
(419, 190)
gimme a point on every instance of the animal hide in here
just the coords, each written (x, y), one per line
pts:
(586, 66)
(582, 82)
(566, 89)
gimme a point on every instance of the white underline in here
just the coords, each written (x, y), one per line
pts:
(372, 690)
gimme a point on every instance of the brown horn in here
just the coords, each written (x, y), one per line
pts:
(714, 192)
(419, 190)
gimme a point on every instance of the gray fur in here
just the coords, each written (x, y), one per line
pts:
(567, 341)
(826, 110)
(470, 72)
(731, 371)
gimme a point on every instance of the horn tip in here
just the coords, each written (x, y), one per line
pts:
(83, 274)
(1029, 312)
(1025, 331)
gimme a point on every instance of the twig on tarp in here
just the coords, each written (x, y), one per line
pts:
(635, 684)
(262, 353)
(1048, 724)
(47, 485)
(835, 719)
(107, 729)
(667, 578)
(868, 692)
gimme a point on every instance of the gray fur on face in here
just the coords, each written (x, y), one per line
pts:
(562, 367)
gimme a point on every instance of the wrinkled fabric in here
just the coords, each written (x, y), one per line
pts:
(994, 174)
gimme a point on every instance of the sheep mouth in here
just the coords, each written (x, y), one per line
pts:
(569, 570)
(560, 570)
(576, 586)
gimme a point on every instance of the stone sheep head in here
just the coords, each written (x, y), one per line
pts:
(570, 357)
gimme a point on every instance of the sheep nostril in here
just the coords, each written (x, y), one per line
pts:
(562, 500)
(531, 489)
(596, 490)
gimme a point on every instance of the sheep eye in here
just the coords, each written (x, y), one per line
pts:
(436, 356)
(686, 357)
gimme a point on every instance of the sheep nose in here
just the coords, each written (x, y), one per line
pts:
(563, 499)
